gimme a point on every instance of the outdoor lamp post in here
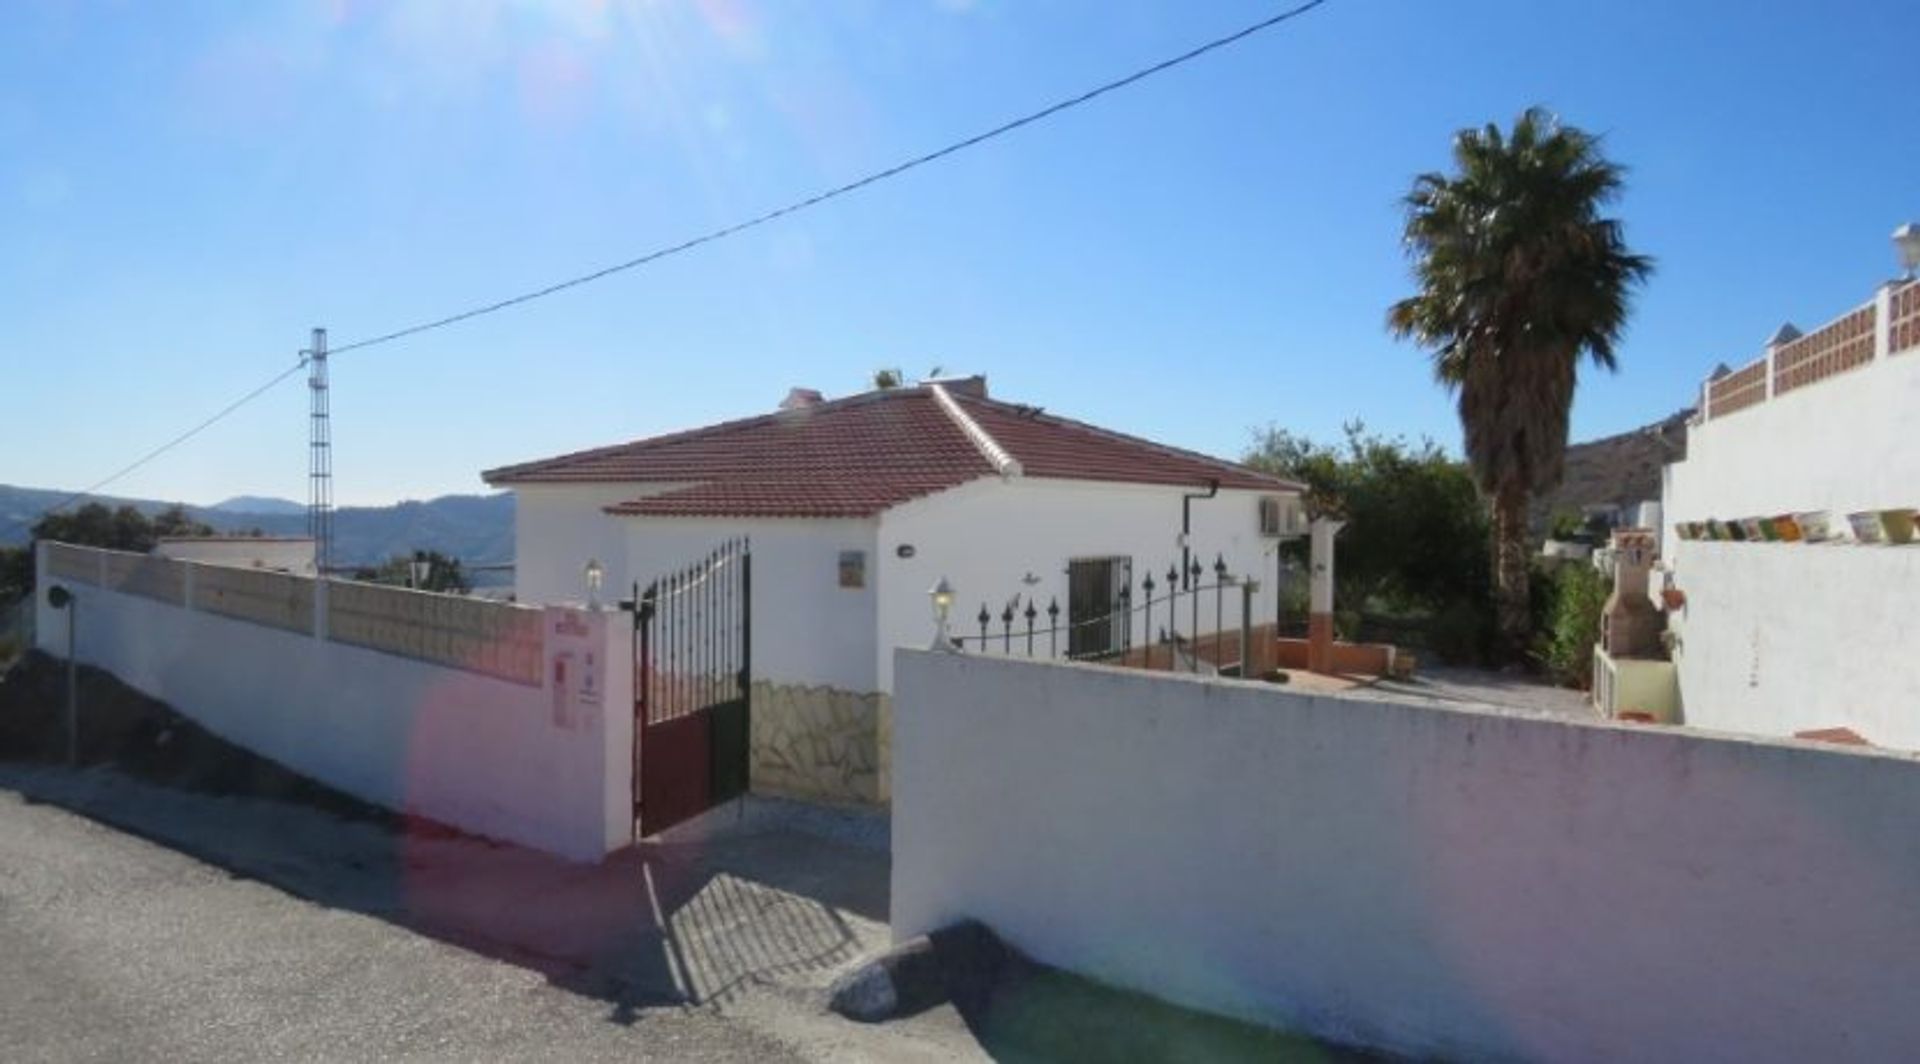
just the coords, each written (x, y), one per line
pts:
(419, 569)
(942, 596)
(1906, 240)
(594, 575)
(62, 599)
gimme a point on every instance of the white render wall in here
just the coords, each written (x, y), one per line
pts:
(557, 529)
(1434, 881)
(1846, 443)
(485, 755)
(1778, 638)
(807, 629)
(984, 537)
(1784, 637)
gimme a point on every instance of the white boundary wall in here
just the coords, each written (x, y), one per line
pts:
(546, 766)
(1847, 443)
(1470, 885)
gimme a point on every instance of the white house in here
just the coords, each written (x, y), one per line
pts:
(1782, 636)
(856, 507)
(284, 554)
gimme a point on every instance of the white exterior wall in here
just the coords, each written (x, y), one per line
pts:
(484, 755)
(1784, 637)
(985, 536)
(558, 528)
(1474, 886)
(281, 555)
(1778, 638)
(1843, 444)
(807, 629)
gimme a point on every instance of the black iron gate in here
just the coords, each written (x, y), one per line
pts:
(692, 667)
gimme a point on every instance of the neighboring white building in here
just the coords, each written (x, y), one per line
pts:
(1785, 638)
(855, 508)
(284, 554)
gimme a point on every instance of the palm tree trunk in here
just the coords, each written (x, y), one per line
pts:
(1513, 607)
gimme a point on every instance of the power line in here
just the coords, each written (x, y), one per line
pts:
(707, 238)
(196, 430)
(839, 190)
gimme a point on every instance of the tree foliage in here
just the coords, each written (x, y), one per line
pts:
(1519, 277)
(94, 525)
(1416, 533)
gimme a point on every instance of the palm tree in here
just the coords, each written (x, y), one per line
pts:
(1519, 276)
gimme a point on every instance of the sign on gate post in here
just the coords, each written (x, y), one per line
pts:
(576, 667)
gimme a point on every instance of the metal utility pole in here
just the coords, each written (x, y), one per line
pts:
(319, 457)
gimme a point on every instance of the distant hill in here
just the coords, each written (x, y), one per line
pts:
(258, 504)
(1616, 471)
(477, 529)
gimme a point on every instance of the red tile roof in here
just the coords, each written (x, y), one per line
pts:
(858, 456)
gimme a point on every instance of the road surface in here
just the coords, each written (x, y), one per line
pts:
(112, 948)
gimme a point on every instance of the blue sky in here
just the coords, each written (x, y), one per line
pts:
(186, 188)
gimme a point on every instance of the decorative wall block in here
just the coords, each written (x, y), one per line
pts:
(78, 564)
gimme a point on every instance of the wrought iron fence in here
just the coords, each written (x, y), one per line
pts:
(693, 634)
(1159, 626)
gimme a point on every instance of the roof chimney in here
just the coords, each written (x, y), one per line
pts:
(801, 398)
(973, 387)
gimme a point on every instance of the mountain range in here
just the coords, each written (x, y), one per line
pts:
(477, 529)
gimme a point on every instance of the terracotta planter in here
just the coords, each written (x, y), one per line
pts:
(1813, 525)
(1673, 599)
(1786, 528)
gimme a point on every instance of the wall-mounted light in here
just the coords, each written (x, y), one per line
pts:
(595, 573)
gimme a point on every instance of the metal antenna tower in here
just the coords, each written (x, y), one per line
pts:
(319, 457)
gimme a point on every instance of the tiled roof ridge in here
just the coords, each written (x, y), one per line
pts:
(1021, 410)
(999, 457)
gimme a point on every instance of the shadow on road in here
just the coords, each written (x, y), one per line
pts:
(689, 922)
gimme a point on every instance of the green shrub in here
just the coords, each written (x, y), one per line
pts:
(1578, 594)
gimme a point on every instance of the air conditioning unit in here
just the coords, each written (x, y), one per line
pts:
(1282, 516)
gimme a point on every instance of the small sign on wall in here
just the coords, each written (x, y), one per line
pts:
(575, 643)
(853, 568)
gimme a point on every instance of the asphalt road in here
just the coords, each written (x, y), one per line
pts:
(113, 948)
